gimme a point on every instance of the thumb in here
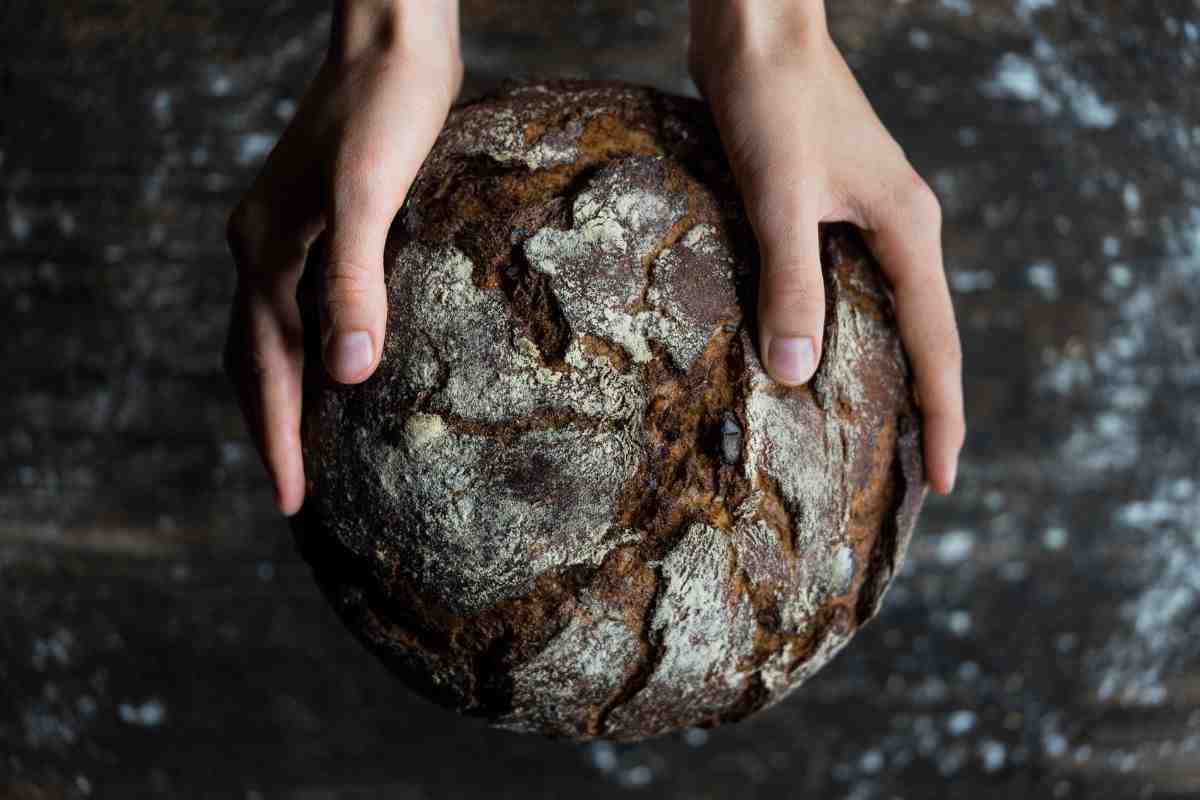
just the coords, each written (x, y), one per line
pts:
(377, 163)
(354, 296)
(791, 297)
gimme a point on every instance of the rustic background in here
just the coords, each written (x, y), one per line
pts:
(159, 637)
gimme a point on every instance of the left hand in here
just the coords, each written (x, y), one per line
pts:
(806, 147)
(344, 166)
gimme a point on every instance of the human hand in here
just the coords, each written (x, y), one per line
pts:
(806, 147)
(343, 165)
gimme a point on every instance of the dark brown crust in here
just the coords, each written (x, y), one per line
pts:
(695, 433)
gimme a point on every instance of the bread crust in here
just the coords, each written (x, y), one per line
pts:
(570, 500)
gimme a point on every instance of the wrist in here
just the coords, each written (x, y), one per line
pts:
(734, 31)
(365, 28)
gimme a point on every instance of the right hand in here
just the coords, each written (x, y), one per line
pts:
(343, 165)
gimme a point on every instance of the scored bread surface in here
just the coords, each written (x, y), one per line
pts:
(570, 500)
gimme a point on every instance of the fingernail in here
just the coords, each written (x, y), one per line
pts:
(953, 476)
(350, 355)
(792, 358)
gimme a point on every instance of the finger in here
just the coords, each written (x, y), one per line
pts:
(371, 177)
(791, 290)
(265, 358)
(791, 303)
(905, 235)
(354, 300)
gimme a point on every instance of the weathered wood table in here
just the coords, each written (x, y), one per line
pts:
(159, 637)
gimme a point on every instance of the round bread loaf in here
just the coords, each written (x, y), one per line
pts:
(570, 500)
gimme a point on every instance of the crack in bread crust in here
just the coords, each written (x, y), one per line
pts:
(570, 500)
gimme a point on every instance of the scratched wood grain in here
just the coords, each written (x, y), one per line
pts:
(159, 637)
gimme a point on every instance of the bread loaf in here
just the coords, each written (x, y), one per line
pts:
(570, 500)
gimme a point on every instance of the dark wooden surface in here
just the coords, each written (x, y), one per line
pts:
(159, 637)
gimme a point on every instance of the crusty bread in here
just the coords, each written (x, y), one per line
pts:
(570, 500)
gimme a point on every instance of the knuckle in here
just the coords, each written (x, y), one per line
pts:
(347, 276)
(348, 285)
(787, 287)
(918, 200)
(791, 274)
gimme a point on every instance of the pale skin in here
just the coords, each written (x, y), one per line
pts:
(802, 139)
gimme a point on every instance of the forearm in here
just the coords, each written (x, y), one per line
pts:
(365, 26)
